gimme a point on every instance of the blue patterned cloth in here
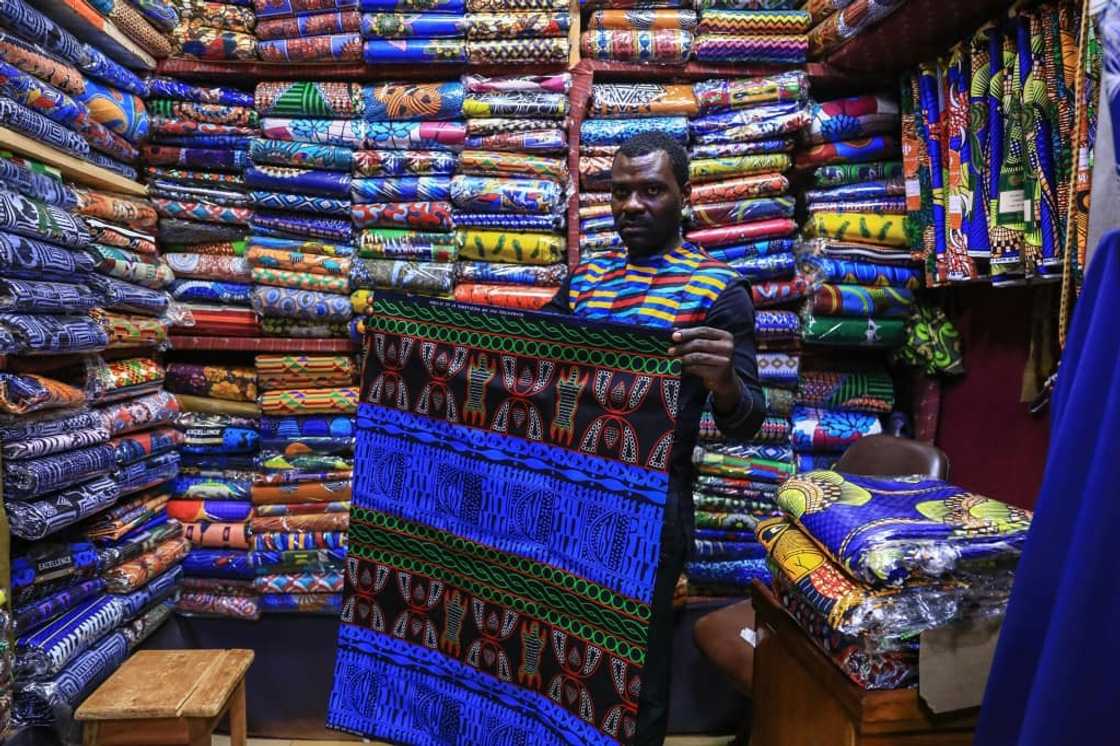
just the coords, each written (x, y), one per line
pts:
(18, 178)
(180, 91)
(24, 479)
(618, 131)
(886, 532)
(34, 519)
(45, 652)
(33, 124)
(212, 291)
(219, 563)
(35, 614)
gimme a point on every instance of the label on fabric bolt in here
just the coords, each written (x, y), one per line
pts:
(749, 635)
(1011, 202)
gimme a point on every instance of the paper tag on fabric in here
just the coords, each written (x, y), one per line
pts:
(749, 635)
(1011, 202)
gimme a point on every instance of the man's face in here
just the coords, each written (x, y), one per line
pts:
(646, 202)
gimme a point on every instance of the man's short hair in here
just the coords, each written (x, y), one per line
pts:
(653, 142)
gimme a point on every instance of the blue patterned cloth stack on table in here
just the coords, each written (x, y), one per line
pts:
(303, 241)
(865, 564)
(510, 190)
(215, 30)
(194, 162)
(67, 94)
(402, 189)
(301, 496)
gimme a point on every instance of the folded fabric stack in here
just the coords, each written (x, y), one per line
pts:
(65, 462)
(410, 31)
(149, 24)
(862, 270)
(740, 211)
(836, 22)
(80, 610)
(866, 564)
(836, 405)
(200, 143)
(510, 189)
(299, 31)
(617, 112)
(728, 33)
(517, 32)
(131, 278)
(301, 498)
(67, 94)
(303, 237)
(402, 190)
(219, 425)
(1007, 194)
(47, 293)
(216, 30)
(659, 31)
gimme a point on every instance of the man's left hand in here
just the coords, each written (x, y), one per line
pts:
(707, 354)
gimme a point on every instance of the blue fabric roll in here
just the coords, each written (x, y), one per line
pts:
(299, 180)
(618, 131)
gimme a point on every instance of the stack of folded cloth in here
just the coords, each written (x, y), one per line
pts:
(740, 214)
(836, 405)
(835, 22)
(216, 30)
(859, 298)
(410, 31)
(199, 147)
(131, 278)
(402, 190)
(47, 298)
(303, 238)
(219, 425)
(300, 31)
(517, 33)
(659, 31)
(509, 191)
(149, 24)
(866, 564)
(81, 609)
(301, 245)
(67, 94)
(728, 33)
(301, 498)
(616, 113)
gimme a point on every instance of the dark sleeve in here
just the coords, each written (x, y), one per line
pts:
(559, 302)
(733, 311)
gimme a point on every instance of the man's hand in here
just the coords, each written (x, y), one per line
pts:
(707, 354)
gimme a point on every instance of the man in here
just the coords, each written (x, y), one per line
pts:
(662, 281)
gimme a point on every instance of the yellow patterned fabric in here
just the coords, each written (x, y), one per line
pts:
(514, 248)
(311, 401)
(886, 230)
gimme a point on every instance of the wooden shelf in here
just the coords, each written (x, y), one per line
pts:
(262, 344)
(919, 31)
(71, 166)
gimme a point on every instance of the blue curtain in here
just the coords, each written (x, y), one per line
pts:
(1054, 677)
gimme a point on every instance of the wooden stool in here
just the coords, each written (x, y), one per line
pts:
(169, 697)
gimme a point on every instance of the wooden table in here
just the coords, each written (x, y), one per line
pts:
(169, 697)
(801, 698)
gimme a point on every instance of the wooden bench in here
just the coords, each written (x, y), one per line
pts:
(169, 697)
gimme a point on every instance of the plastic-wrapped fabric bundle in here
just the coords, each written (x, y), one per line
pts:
(858, 391)
(848, 22)
(34, 519)
(45, 652)
(851, 118)
(643, 99)
(301, 155)
(862, 301)
(401, 189)
(724, 94)
(853, 332)
(518, 104)
(505, 25)
(396, 51)
(654, 19)
(760, 49)
(511, 274)
(300, 304)
(328, 604)
(541, 51)
(411, 276)
(889, 533)
(661, 46)
(413, 135)
(503, 246)
(830, 430)
(346, 47)
(413, 25)
(491, 195)
(421, 216)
